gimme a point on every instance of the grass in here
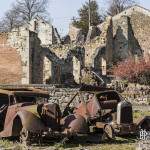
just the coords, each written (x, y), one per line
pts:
(5, 143)
(120, 143)
(138, 114)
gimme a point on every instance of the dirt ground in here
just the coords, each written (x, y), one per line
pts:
(119, 143)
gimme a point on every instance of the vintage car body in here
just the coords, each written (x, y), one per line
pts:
(26, 113)
(107, 111)
(18, 110)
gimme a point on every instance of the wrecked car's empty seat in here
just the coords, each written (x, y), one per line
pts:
(108, 104)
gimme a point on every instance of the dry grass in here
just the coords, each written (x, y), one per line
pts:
(120, 143)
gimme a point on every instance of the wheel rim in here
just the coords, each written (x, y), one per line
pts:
(109, 131)
(24, 136)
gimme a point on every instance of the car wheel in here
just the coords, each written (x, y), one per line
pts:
(109, 132)
(25, 137)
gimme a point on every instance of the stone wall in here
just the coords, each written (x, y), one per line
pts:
(28, 46)
(138, 95)
(65, 64)
(62, 96)
(3, 39)
(122, 36)
(58, 94)
(74, 33)
(131, 32)
(19, 39)
(121, 39)
(10, 65)
(43, 29)
(47, 70)
(140, 25)
(126, 42)
(100, 47)
(35, 59)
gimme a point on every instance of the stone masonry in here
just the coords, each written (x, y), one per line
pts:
(42, 58)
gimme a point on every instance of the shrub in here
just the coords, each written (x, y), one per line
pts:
(135, 72)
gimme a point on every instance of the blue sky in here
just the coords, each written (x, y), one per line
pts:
(62, 11)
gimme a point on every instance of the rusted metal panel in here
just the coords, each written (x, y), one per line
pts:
(99, 110)
(143, 122)
(100, 125)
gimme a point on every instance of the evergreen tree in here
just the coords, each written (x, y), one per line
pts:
(83, 21)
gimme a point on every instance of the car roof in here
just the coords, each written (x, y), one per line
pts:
(24, 92)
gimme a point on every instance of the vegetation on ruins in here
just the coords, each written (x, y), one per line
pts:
(83, 21)
(117, 6)
(133, 71)
(22, 12)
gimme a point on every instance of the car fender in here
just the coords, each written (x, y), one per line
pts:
(75, 124)
(31, 122)
(143, 123)
(23, 119)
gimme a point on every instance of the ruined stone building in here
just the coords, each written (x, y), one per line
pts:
(21, 59)
(34, 53)
(28, 57)
(122, 36)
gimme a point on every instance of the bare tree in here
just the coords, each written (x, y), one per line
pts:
(117, 6)
(29, 9)
(10, 20)
(22, 12)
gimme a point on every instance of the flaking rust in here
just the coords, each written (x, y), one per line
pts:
(26, 113)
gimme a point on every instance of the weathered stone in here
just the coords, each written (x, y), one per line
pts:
(80, 38)
(46, 32)
(122, 36)
(66, 39)
(75, 34)
(56, 37)
(92, 33)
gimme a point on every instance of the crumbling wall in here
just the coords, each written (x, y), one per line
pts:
(3, 39)
(62, 95)
(122, 36)
(75, 34)
(27, 45)
(19, 39)
(76, 70)
(10, 65)
(93, 50)
(131, 32)
(92, 33)
(63, 65)
(126, 43)
(47, 70)
(121, 39)
(35, 59)
(43, 29)
(141, 27)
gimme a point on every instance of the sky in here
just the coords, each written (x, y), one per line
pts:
(62, 11)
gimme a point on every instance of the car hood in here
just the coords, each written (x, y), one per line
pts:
(32, 109)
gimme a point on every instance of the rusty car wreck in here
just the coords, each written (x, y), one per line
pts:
(26, 113)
